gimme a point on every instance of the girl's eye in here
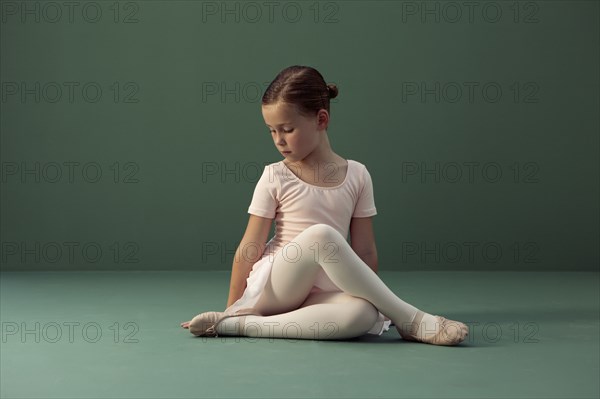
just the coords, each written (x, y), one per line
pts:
(285, 131)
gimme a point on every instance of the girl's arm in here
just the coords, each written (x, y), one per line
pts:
(371, 260)
(249, 251)
(239, 273)
(362, 241)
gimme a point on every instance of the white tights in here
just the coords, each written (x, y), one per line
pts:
(290, 312)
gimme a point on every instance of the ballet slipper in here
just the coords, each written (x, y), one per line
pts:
(450, 333)
(205, 324)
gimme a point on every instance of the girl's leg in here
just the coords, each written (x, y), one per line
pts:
(323, 316)
(321, 246)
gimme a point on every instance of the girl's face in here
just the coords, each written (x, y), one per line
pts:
(291, 131)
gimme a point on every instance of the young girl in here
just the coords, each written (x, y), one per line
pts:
(307, 282)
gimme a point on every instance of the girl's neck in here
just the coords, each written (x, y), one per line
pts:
(321, 156)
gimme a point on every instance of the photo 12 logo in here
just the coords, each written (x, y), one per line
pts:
(27, 332)
(69, 92)
(252, 12)
(69, 12)
(469, 12)
(71, 172)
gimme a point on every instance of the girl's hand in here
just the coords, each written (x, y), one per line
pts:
(186, 324)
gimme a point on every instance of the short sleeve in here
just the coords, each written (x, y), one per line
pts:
(365, 206)
(264, 200)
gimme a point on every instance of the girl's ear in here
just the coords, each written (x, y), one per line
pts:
(323, 118)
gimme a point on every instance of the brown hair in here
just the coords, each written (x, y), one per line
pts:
(303, 87)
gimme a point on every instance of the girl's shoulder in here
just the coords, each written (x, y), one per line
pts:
(358, 166)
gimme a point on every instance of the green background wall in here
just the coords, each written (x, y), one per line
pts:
(180, 88)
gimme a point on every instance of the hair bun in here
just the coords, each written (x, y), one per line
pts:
(333, 90)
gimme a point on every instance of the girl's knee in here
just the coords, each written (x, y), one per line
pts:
(362, 316)
(322, 232)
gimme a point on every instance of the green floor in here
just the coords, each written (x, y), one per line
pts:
(533, 335)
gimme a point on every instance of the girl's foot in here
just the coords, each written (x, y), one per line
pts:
(443, 332)
(205, 324)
